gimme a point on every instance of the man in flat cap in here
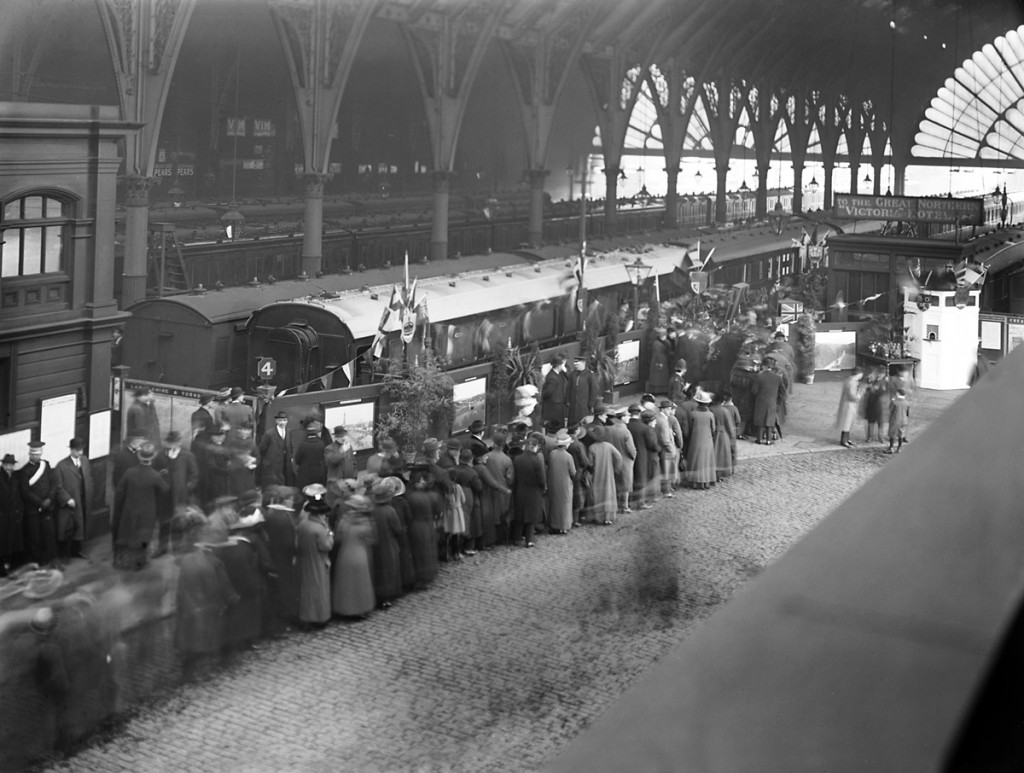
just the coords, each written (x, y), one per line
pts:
(38, 485)
(74, 493)
(583, 392)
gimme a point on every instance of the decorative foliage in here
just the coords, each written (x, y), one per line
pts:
(803, 344)
(417, 397)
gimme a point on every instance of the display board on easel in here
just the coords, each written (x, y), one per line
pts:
(57, 425)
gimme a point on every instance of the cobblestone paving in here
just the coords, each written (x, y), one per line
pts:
(505, 659)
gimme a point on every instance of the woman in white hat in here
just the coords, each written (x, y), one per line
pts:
(314, 543)
(701, 467)
(561, 472)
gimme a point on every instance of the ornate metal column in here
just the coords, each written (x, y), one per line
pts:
(439, 230)
(313, 223)
(536, 225)
(675, 97)
(136, 238)
(723, 102)
(320, 39)
(447, 51)
(144, 38)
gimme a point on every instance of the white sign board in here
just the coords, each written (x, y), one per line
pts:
(991, 335)
(57, 426)
(99, 435)
(16, 443)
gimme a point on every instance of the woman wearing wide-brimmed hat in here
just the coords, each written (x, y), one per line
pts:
(561, 472)
(353, 594)
(701, 467)
(314, 542)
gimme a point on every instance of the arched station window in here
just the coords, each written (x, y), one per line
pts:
(36, 246)
(34, 230)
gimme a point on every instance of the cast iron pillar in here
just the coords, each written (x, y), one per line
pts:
(313, 223)
(439, 231)
(536, 226)
(136, 239)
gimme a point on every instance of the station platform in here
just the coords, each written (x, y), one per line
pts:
(513, 652)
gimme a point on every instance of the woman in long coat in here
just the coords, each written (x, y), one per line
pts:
(426, 507)
(701, 469)
(561, 473)
(387, 551)
(725, 437)
(243, 623)
(472, 488)
(401, 505)
(606, 462)
(314, 542)
(353, 576)
(848, 400)
(530, 489)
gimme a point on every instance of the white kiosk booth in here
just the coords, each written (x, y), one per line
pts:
(944, 337)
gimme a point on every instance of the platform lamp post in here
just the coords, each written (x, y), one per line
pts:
(571, 173)
(778, 219)
(177, 194)
(232, 221)
(638, 271)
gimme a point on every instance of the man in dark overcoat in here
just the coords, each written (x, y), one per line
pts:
(135, 511)
(214, 460)
(74, 493)
(766, 403)
(203, 418)
(181, 470)
(276, 454)
(530, 490)
(583, 392)
(553, 393)
(12, 527)
(646, 441)
(38, 486)
(473, 439)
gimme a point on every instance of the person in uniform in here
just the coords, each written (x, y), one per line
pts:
(552, 394)
(74, 493)
(583, 392)
(340, 456)
(12, 521)
(37, 483)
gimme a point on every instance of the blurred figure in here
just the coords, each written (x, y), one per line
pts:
(235, 413)
(387, 567)
(353, 594)
(203, 595)
(466, 476)
(51, 674)
(247, 563)
(204, 418)
(281, 529)
(340, 456)
(499, 465)
(214, 461)
(135, 511)
(848, 400)
(899, 417)
(179, 467)
(607, 465)
(74, 493)
(765, 390)
(385, 461)
(725, 437)
(622, 440)
(142, 420)
(875, 394)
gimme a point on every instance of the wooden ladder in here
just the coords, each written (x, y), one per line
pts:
(167, 272)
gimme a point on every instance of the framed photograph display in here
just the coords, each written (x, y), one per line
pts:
(357, 417)
(627, 365)
(470, 400)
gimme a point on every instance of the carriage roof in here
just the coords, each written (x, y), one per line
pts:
(469, 293)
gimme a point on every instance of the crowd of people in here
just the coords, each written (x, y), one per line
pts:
(882, 401)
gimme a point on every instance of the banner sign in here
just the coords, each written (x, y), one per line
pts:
(910, 209)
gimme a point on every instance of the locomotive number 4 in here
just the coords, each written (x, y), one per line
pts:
(267, 368)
